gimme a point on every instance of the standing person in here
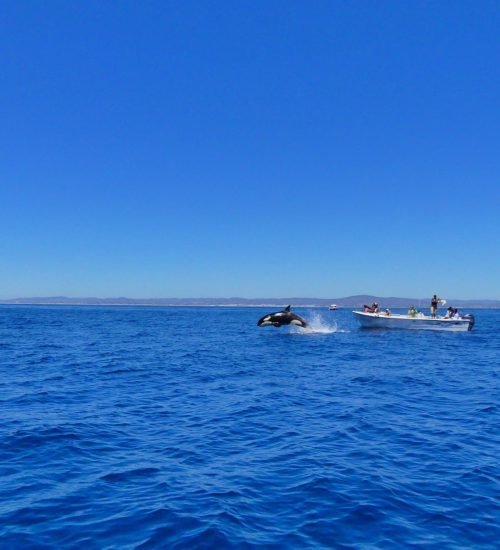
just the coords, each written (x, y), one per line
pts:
(434, 306)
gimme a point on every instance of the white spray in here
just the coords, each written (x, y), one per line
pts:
(317, 325)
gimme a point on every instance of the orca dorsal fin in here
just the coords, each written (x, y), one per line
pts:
(287, 308)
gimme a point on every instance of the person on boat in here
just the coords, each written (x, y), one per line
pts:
(452, 313)
(371, 309)
(434, 306)
(388, 312)
(412, 311)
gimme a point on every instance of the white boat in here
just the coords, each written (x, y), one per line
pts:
(333, 306)
(419, 321)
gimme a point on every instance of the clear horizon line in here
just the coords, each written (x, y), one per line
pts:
(223, 298)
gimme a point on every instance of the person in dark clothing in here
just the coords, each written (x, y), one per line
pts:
(434, 306)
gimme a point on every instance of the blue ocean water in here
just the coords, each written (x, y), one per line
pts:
(193, 428)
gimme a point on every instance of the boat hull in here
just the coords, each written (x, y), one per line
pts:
(394, 321)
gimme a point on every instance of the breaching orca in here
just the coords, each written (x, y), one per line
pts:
(280, 318)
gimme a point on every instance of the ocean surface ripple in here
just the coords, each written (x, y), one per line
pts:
(133, 427)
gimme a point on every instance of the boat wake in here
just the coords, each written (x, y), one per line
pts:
(317, 325)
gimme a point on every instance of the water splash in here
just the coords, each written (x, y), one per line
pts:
(318, 325)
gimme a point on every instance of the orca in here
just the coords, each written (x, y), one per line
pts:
(280, 318)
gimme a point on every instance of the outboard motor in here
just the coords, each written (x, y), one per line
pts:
(471, 319)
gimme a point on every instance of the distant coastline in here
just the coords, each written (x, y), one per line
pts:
(346, 302)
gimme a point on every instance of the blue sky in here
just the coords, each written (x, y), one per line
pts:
(250, 148)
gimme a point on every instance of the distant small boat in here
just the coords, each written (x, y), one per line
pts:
(418, 321)
(333, 306)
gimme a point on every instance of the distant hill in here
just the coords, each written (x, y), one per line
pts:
(347, 302)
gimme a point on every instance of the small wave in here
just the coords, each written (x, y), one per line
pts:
(128, 474)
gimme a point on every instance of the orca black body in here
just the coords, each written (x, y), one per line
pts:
(280, 318)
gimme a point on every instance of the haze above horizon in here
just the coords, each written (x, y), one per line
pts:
(250, 149)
